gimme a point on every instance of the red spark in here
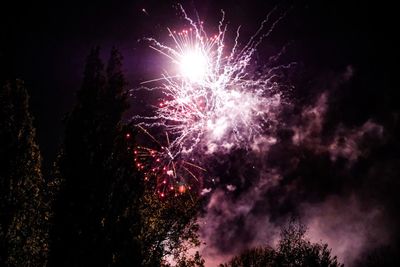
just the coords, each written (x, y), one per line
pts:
(182, 189)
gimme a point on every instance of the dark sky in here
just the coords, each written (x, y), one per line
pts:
(347, 71)
(45, 43)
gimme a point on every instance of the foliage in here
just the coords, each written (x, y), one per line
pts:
(294, 250)
(105, 215)
(140, 226)
(191, 261)
(122, 220)
(92, 126)
(169, 226)
(258, 256)
(24, 209)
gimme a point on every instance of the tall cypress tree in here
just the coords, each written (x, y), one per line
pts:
(78, 235)
(123, 221)
(141, 228)
(23, 209)
(105, 216)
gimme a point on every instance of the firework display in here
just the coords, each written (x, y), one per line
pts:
(173, 175)
(213, 99)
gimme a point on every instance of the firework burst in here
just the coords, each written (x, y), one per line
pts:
(173, 175)
(214, 99)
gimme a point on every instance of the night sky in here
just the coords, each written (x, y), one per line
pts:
(337, 156)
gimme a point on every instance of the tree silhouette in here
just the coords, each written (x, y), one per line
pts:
(91, 128)
(24, 211)
(258, 256)
(104, 214)
(122, 220)
(294, 250)
(170, 227)
(142, 228)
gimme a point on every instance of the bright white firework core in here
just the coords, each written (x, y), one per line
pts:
(193, 65)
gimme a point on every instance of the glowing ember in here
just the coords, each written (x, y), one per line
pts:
(182, 189)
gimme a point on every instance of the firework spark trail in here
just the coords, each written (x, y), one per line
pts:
(213, 100)
(173, 176)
